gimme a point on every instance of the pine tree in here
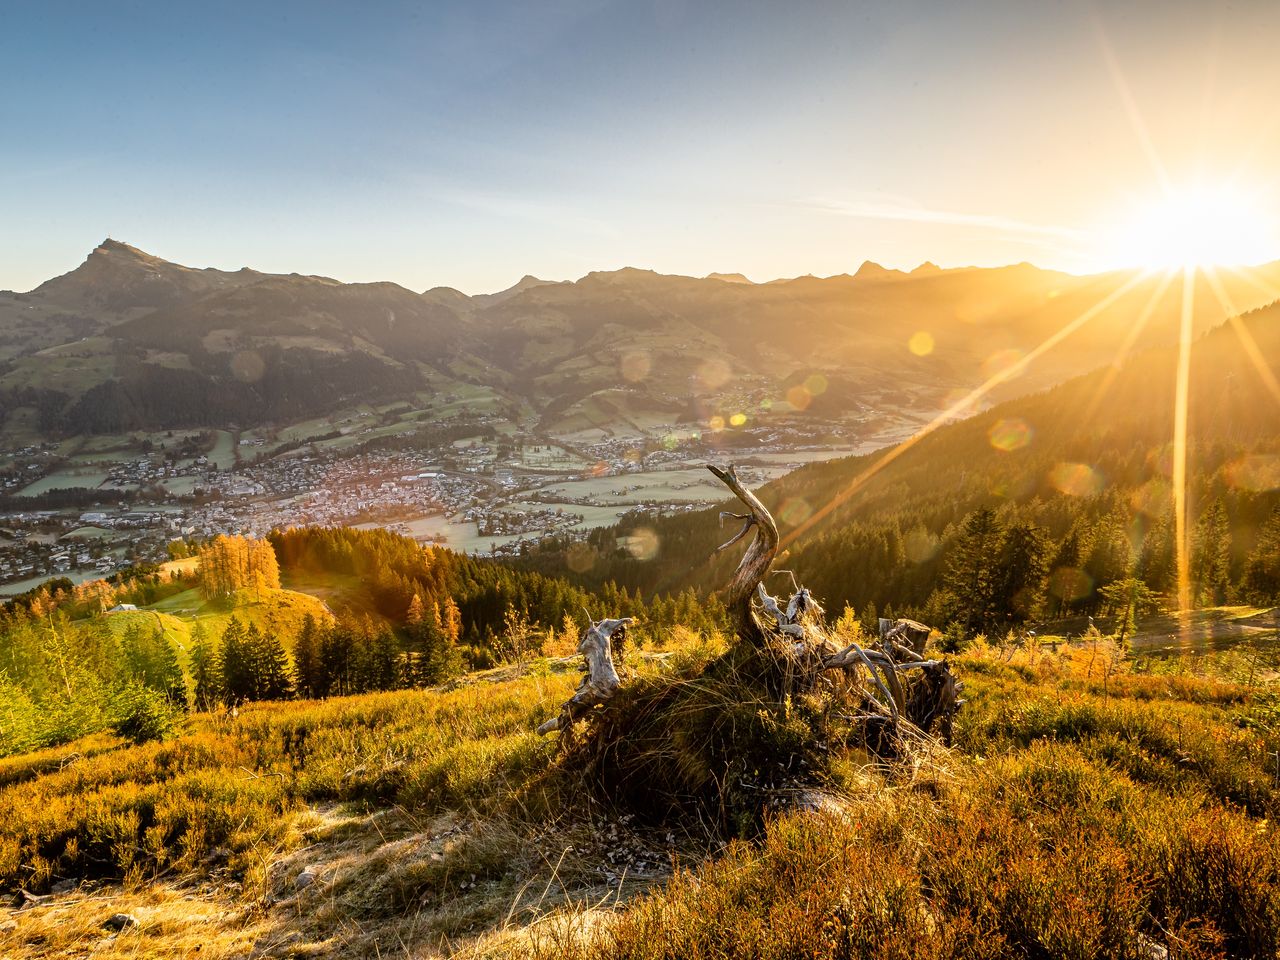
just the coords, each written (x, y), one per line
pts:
(1066, 579)
(205, 669)
(870, 621)
(172, 681)
(1127, 600)
(306, 659)
(385, 673)
(1023, 565)
(237, 665)
(1211, 556)
(973, 571)
(270, 665)
(1262, 569)
(335, 660)
(1109, 556)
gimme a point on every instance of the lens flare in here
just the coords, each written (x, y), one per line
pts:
(921, 343)
(795, 511)
(1009, 435)
(1076, 479)
(247, 366)
(1257, 474)
(1070, 583)
(713, 373)
(642, 543)
(580, 557)
(920, 545)
(1002, 362)
(635, 365)
(1152, 498)
(799, 398)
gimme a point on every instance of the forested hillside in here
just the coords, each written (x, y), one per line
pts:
(1054, 496)
(137, 652)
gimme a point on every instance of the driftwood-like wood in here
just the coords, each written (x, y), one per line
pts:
(896, 683)
(755, 562)
(600, 682)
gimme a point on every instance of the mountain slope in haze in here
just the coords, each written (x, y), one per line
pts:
(878, 339)
(129, 341)
(1088, 463)
(116, 282)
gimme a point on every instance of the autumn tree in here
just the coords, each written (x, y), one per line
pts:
(228, 564)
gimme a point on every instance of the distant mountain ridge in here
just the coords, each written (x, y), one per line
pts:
(119, 342)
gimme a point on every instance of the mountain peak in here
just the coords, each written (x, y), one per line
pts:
(925, 269)
(729, 277)
(621, 274)
(110, 247)
(870, 270)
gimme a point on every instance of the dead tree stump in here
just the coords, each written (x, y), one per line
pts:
(897, 688)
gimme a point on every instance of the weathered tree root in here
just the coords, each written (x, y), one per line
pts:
(601, 679)
(895, 682)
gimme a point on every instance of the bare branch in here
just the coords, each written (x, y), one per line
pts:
(756, 561)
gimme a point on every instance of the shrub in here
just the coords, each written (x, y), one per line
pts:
(143, 714)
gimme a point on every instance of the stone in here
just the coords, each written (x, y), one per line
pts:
(120, 921)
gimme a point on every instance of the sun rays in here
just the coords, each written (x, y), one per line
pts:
(1181, 410)
(964, 404)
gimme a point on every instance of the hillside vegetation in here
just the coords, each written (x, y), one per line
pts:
(1088, 808)
(138, 652)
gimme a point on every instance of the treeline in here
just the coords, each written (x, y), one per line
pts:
(65, 497)
(393, 570)
(141, 585)
(347, 656)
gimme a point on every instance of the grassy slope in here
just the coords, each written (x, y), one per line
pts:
(281, 611)
(1077, 815)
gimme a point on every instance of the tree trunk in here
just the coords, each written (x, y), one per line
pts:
(755, 563)
(601, 680)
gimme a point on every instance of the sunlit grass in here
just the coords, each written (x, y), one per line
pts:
(1085, 810)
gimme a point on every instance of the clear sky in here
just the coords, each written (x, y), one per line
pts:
(466, 144)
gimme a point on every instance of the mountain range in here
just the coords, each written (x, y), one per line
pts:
(129, 341)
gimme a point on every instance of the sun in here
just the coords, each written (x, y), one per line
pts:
(1197, 226)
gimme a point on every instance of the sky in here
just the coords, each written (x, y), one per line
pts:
(467, 144)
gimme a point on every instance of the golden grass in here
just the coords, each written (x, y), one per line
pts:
(1081, 813)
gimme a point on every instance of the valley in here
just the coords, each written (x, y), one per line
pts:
(143, 402)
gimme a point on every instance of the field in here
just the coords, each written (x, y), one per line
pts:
(1088, 808)
(85, 476)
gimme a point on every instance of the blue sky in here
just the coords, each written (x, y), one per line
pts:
(467, 144)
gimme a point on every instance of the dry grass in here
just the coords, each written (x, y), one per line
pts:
(1077, 815)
